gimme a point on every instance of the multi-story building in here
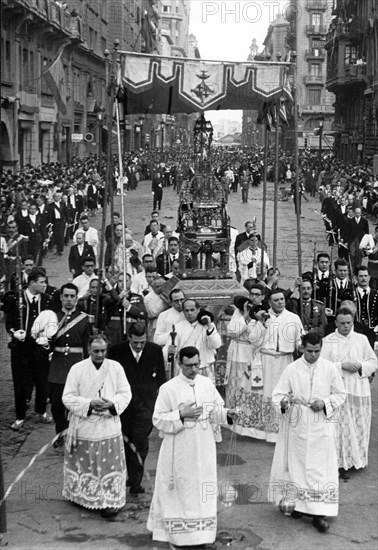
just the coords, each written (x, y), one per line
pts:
(352, 49)
(252, 133)
(306, 34)
(54, 120)
(32, 33)
(169, 130)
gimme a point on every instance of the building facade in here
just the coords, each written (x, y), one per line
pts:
(305, 33)
(168, 130)
(352, 50)
(46, 121)
(252, 133)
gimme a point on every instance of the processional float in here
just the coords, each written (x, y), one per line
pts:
(153, 84)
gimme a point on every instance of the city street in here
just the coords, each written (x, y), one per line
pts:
(39, 518)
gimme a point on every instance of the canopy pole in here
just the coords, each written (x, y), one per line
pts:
(263, 219)
(108, 185)
(276, 181)
(120, 163)
(296, 156)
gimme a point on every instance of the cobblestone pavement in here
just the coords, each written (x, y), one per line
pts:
(138, 206)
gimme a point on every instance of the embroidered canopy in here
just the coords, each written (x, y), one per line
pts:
(168, 85)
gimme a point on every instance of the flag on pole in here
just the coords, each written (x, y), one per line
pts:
(55, 79)
(282, 113)
(266, 115)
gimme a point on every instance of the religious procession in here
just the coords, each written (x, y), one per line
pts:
(190, 331)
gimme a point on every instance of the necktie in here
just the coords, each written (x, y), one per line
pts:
(34, 301)
(137, 357)
(341, 286)
(323, 275)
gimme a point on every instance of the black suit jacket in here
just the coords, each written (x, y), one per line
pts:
(358, 230)
(44, 217)
(145, 377)
(52, 213)
(75, 260)
(79, 208)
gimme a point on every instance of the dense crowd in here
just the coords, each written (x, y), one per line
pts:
(104, 344)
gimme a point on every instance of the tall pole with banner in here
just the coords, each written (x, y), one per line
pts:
(108, 175)
(296, 156)
(276, 182)
(263, 215)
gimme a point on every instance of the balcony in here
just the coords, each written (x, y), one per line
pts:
(54, 14)
(315, 54)
(349, 75)
(353, 32)
(317, 5)
(324, 109)
(311, 79)
(316, 30)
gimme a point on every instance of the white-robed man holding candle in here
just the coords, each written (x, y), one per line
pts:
(184, 505)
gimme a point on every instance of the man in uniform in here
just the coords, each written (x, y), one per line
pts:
(366, 301)
(69, 347)
(118, 304)
(28, 365)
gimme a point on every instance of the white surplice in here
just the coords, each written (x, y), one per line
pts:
(305, 466)
(195, 334)
(94, 462)
(243, 380)
(184, 505)
(164, 324)
(281, 338)
(355, 414)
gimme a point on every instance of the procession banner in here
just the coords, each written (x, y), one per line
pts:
(168, 85)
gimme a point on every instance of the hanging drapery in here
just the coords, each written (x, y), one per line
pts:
(168, 85)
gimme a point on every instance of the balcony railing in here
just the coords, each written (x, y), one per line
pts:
(356, 72)
(346, 76)
(54, 12)
(314, 79)
(317, 4)
(316, 29)
(346, 31)
(315, 54)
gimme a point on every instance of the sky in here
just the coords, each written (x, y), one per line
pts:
(225, 29)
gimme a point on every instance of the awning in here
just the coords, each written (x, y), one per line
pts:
(167, 85)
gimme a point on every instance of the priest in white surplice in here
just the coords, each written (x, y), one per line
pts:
(353, 355)
(304, 470)
(96, 393)
(203, 335)
(184, 505)
(170, 317)
(281, 338)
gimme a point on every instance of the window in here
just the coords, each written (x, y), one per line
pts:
(315, 69)
(350, 55)
(25, 70)
(166, 9)
(316, 19)
(314, 97)
(32, 81)
(6, 59)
